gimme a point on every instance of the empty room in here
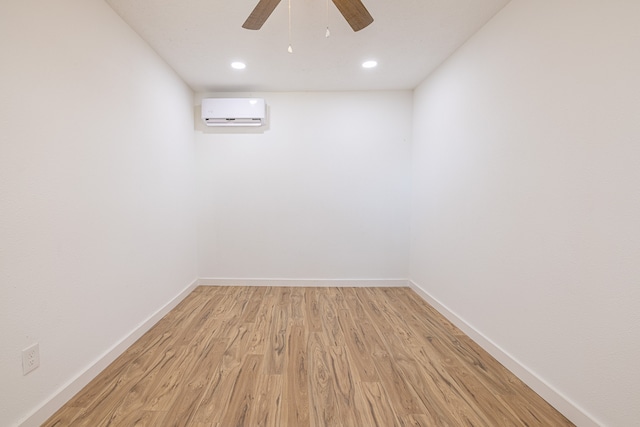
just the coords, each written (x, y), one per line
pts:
(429, 217)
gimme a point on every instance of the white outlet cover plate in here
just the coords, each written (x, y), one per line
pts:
(30, 358)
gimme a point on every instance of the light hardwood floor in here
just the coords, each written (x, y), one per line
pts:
(295, 357)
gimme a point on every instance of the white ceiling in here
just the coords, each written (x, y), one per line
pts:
(200, 39)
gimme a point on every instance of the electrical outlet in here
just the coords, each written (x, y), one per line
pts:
(30, 358)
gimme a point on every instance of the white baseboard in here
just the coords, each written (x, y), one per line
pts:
(306, 283)
(563, 404)
(70, 389)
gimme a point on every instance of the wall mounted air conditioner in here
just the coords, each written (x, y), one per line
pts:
(233, 111)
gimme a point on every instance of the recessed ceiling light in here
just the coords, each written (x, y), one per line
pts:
(238, 65)
(369, 64)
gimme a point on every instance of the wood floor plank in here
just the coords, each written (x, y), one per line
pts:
(337, 298)
(475, 370)
(216, 397)
(259, 331)
(441, 345)
(298, 305)
(329, 315)
(227, 302)
(443, 393)
(354, 305)
(197, 378)
(156, 340)
(297, 357)
(313, 315)
(144, 419)
(528, 407)
(411, 299)
(253, 305)
(135, 399)
(417, 421)
(190, 348)
(345, 387)
(445, 403)
(276, 342)
(403, 396)
(242, 394)
(107, 397)
(283, 296)
(267, 408)
(322, 395)
(378, 405)
(297, 383)
(358, 348)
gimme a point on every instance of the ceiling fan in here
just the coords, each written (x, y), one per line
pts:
(353, 11)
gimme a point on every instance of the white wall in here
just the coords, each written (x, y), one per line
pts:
(97, 230)
(321, 194)
(526, 204)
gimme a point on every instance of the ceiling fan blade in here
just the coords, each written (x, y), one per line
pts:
(355, 13)
(260, 14)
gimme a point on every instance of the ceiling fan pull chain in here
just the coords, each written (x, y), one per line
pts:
(328, 33)
(290, 49)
